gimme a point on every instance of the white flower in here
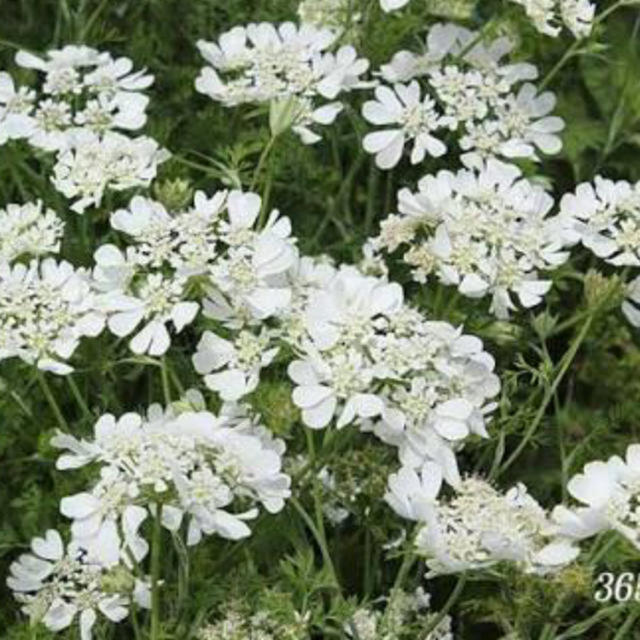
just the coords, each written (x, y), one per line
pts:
(237, 364)
(213, 249)
(15, 110)
(610, 493)
(156, 301)
(605, 218)
(364, 357)
(524, 121)
(542, 15)
(405, 65)
(412, 494)
(196, 465)
(122, 111)
(478, 526)
(55, 586)
(91, 165)
(415, 119)
(577, 16)
(548, 15)
(28, 230)
(392, 5)
(469, 88)
(252, 276)
(268, 63)
(115, 77)
(83, 90)
(45, 309)
(487, 232)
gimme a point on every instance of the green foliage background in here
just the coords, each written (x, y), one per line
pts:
(335, 197)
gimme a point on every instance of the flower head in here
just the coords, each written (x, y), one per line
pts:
(55, 586)
(487, 232)
(263, 62)
(172, 464)
(45, 309)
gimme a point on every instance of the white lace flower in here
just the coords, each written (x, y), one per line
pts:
(605, 218)
(577, 16)
(122, 111)
(55, 586)
(548, 16)
(28, 230)
(412, 118)
(609, 493)
(487, 232)
(365, 357)
(470, 89)
(212, 250)
(232, 368)
(478, 526)
(441, 40)
(392, 5)
(92, 165)
(115, 77)
(45, 309)
(195, 465)
(251, 273)
(16, 106)
(268, 63)
(154, 301)
(83, 89)
(526, 125)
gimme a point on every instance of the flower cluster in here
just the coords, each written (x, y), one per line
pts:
(478, 527)
(27, 230)
(486, 232)
(609, 493)
(84, 104)
(330, 14)
(174, 464)
(82, 89)
(262, 62)
(211, 249)
(605, 218)
(239, 624)
(366, 357)
(548, 16)
(15, 107)
(55, 586)
(45, 309)
(405, 616)
(456, 85)
(91, 164)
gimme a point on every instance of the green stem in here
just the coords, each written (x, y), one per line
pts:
(52, 401)
(134, 620)
(548, 396)
(627, 625)
(320, 541)
(155, 574)
(88, 25)
(78, 397)
(573, 49)
(403, 572)
(166, 389)
(448, 605)
(261, 162)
